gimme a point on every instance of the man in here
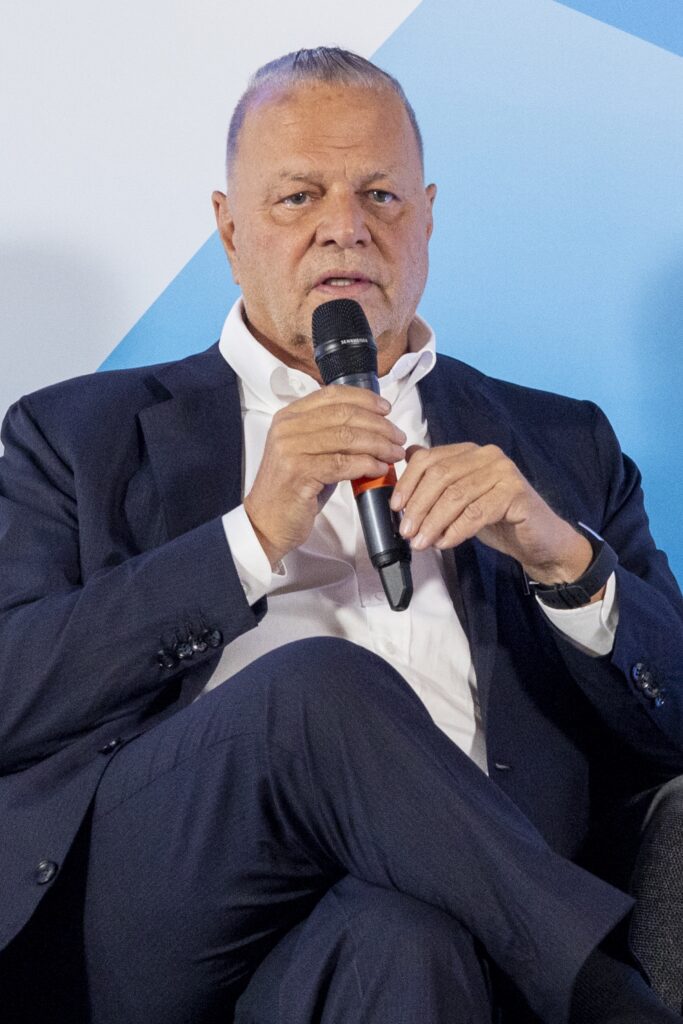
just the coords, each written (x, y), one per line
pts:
(307, 810)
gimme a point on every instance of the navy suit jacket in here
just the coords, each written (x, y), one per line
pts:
(112, 488)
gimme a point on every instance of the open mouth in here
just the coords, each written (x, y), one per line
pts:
(355, 283)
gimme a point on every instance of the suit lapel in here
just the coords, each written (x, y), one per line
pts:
(455, 414)
(194, 440)
(193, 434)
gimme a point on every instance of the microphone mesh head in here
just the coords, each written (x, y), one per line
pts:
(342, 341)
(338, 319)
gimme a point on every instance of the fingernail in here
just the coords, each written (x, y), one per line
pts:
(396, 502)
(384, 405)
(406, 527)
(419, 542)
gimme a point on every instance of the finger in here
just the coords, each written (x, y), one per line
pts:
(339, 417)
(333, 469)
(428, 513)
(489, 510)
(449, 523)
(443, 469)
(347, 440)
(334, 394)
(421, 460)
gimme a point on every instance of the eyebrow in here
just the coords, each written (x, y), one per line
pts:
(288, 175)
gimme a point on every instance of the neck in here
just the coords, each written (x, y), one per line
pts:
(299, 356)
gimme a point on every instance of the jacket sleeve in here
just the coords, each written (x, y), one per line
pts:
(638, 688)
(76, 653)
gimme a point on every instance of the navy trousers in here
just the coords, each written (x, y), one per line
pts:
(369, 955)
(266, 804)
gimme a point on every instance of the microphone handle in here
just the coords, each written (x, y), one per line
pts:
(389, 552)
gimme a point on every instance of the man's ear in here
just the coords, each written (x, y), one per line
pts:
(430, 196)
(226, 229)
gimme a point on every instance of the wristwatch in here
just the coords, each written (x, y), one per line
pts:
(580, 592)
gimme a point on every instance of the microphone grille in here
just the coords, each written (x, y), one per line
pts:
(342, 340)
(339, 319)
(345, 362)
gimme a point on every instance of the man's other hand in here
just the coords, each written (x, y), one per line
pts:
(337, 433)
(453, 492)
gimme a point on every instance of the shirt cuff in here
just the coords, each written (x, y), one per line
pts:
(253, 567)
(592, 628)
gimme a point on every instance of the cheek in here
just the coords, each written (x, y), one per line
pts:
(410, 264)
(251, 262)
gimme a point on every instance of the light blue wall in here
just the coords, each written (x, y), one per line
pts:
(557, 260)
(659, 21)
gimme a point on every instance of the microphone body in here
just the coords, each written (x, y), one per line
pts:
(346, 353)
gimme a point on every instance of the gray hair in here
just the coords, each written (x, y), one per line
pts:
(321, 64)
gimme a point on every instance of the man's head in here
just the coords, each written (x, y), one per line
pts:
(325, 186)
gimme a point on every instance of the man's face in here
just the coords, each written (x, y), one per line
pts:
(326, 200)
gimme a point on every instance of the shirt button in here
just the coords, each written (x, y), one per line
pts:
(45, 872)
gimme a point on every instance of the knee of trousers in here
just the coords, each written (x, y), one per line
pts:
(358, 937)
(320, 668)
(398, 931)
(387, 928)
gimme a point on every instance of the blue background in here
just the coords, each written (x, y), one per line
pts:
(553, 132)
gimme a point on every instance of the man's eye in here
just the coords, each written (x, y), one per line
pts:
(381, 196)
(298, 199)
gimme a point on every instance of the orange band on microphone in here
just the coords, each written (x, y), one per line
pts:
(365, 483)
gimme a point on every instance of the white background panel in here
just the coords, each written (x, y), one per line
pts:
(114, 117)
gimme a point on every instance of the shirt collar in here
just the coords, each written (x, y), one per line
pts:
(271, 385)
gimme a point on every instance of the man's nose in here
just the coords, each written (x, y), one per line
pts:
(343, 221)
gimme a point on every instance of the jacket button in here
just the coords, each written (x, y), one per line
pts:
(111, 745)
(45, 872)
(213, 637)
(183, 650)
(641, 675)
(166, 659)
(199, 645)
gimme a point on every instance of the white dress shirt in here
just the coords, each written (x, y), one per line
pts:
(328, 586)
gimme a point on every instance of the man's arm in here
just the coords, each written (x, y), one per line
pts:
(638, 687)
(77, 652)
(458, 491)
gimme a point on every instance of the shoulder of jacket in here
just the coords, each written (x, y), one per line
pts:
(127, 391)
(516, 403)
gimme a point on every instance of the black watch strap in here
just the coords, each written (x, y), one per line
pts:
(580, 592)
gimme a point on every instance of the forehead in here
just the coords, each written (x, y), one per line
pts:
(324, 124)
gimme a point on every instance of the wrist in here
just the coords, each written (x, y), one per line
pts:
(271, 551)
(585, 589)
(571, 564)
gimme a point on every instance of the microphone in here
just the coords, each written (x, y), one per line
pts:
(346, 353)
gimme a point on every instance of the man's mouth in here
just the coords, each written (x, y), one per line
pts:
(331, 283)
